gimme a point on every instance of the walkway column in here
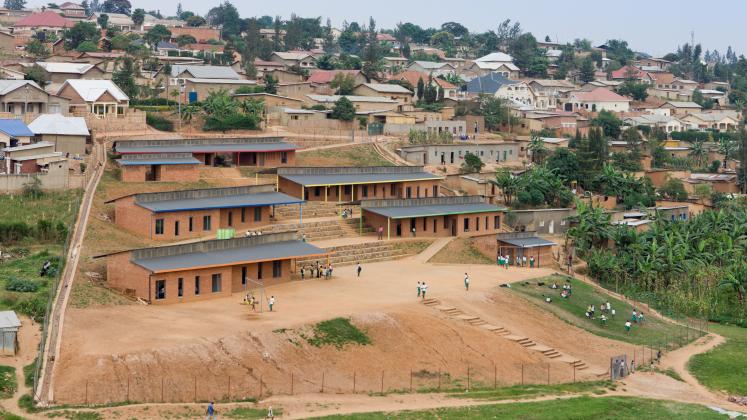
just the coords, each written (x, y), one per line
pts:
(277, 180)
(360, 224)
(300, 213)
(326, 189)
(388, 228)
(303, 192)
(352, 192)
(339, 198)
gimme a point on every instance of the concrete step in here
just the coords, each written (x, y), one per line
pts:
(515, 337)
(431, 302)
(554, 355)
(445, 308)
(529, 344)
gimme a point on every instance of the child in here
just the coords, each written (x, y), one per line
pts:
(627, 326)
(466, 282)
(418, 289)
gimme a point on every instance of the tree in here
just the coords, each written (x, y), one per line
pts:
(636, 90)
(587, 71)
(598, 146)
(80, 32)
(117, 6)
(37, 74)
(609, 123)
(271, 84)
(87, 46)
(529, 58)
(156, 34)
(564, 163)
(15, 4)
(472, 164)
(343, 84)
(507, 183)
(726, 147)
(742, 157)
(537, 148)
(674, 189)
(195, 21)
(185, 39)
(86, 8)
(456, 29)
(103, 20)
(698, 153)
(421, 89)
(37, 49)
(125, 77)
(343, 110)
(227, 16)
(138, 16)
(372, 53)
(494, 110)
(120, 42)
(592, 227)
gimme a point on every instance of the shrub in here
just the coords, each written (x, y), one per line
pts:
(21, 285)
(231, 122)
(152, 102)
(82, 167)
(153, 108)
(158, 122)
(28, 374)
(12, 232)
(338, 332)
(35, 307)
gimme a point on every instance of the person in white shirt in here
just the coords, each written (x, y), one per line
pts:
(423, 288)
(271, 302)
(466, 282)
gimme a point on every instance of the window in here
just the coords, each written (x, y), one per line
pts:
(205, 223)
(259, 271)
(277, 269)
(180, 287)
(197, 285)
(365, 190)
(230, 218)
(191, 224)
(317, 191)
(348, 189)
(496, 222)
(258, 214)
(434, 225)
(243, 276)
(283, 157)
(446, 222)
(159, 226)
(160, 289)
(425, 224)
(408, 192)
(392, 190)
(466, 224)
(243, 214)
(417, 192)
(477, 223)
(176, 228)
(486, 223)
(435, 190)
(216, 283)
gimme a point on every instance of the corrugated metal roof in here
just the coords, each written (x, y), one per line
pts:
(239, 200)
(91, 89)
(433, 210)
(531, 242)
(348, 179)
(205, 72)
(207, 148)
(15, 128)
(60, 125)
(223, 257)
(9, 320)
(7, 85)
(158, 159)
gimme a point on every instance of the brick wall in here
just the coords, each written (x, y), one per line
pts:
(132, 173)
(418, 189)
(180, 173)
(436, 226)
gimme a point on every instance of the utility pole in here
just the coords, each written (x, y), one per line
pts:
(179, 112)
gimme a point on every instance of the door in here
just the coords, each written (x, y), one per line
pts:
(399, 229)
(453, 227)
(552, 227)
(425, 158)
(452, 157)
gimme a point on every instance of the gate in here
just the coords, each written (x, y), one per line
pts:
(375, 129)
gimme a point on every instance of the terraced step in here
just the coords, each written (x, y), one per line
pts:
(445, 308)
(515, 337)
(431, 302)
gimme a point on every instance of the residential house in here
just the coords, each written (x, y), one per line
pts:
(58, 73)
(496, 62)
(68, 135)
(30, 158)
(320, 80)
(99, 97)
(395, 64)
(266, 33)
(300, 59)
(634, 73)
(717, 96)
(361, 103)
(72, 10)
(392, 91)
(150, 21)
(21, 96)
(497, 85)
(208, 50)
(681, 108)
(716, 120)
(198, 89)
(432, 68)
(272, 101)
(181, 72)
(14, 133)
(597, 100)
(659, 63)
(666, 123)
(724, 183)
(548, 91)
(201, 34)
(7, 42)
(116, 20)
(47, 21)
(684, 84)
(263, 67)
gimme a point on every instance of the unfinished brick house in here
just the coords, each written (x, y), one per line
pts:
(169, 167)
(186, 214)
(261, 152)
(349, 184)
(433, 217)
(207, 269)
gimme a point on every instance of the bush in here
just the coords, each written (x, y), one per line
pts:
(35, 307)
(11, 232)
(158, 122)
(231, 122)
(153, 102)
(28, 374)
(338, 332)
(153, 108)
(21, 285)
(82, 167)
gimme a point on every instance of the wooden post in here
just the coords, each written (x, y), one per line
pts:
(353, 382)
(291, 383)
(522, 373)
(382, 381)
(388, 228)
(322, 382)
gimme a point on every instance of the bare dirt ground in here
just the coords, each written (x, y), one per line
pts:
(214, 340)
(29, 336)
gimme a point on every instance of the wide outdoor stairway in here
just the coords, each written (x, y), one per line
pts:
(321, 230)
(312, 209)
(364, 253)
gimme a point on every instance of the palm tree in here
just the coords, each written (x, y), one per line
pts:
(698, 152)
(726, 146)
(538, 148)
(507, 183)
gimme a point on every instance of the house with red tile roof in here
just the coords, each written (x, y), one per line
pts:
(412, 77)
(321, 80)
(202, 35)
(597, 100)
(48, 21)
(631, 72)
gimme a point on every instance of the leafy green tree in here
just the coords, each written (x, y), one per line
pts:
(742, 157)
(537, 148)
(125, 77)
(421, 89)
(195, 21)
(103, 20)
(80, 32)
(15, 4)
(343, 84)
(636, 90)
(185, 39)
(87, 46)
(564, 163)
(530, 59)
(599, 147)
(37, 49)
(507, 183)
(37, 74)
(591, 229)
(698, 153)
(472, 164)
(117, 6)
(674, 189)
(156, 34)
(587, 70)
(343, 110)
(618, 50)
(226, 16)
(455, 29)
(372, 53)
(494, 111)
(138, 17)
(609, 123)
(271, 84)
(726, 147)
(325, 62)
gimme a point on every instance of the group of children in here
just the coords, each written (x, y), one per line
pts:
(605, 309)
(567, 290)
(422, 288)
(317, 271)
(636, 318)
(505, 261)
(249, 299)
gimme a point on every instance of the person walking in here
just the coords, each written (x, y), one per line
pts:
(524, 261)
(423, 288)
(210, 412)
(358, 269)
(466, 282)
(507, 260)
(634, 317)
(418, 289)
(531, 262)
(381, 232)
(627, 327)
(271, 302)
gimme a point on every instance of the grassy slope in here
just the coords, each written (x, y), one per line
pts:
(8, 384)
(27, 268)
(354, 155)
(54, 206)
(460, 251)
(618, 408)
(724, 367)
(654, 332)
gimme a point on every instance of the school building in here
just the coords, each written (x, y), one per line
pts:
(207, 269)
(261, 152)
(347, 184)
(454, 154)
(169, 167)
(179, 215)
(433, 217)
(525, 244)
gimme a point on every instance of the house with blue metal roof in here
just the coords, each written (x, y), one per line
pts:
(187, 214)
(152, 167)
(517, 246)
(207, 269)
(460, 216)
(14, 132)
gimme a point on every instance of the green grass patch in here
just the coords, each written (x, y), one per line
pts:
(413, 247)
(618, 408)
(28, 374)
(461, 251)
(27, 268)
(654, 333)
(8, 382)
(53, 206)
(724, 368)
(531, 391)
(354, 155)
(76, 415)
(337, 332)
(251, 413)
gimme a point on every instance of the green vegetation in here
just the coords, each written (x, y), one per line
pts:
(537, 187)
(472, 164)
(25, 267)
(723, 368)
(251, 413)
(8, 383)
(337, 332)
(28, 374)
(343, 110)
(76, 415)
(534, 391)
(694, 266)
(158, 122)
(461, 251)
(222, 112)
(359, 155)
(619, 408)
(654, 332)
(37, 216)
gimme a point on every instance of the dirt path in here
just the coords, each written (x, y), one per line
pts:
(29, 336)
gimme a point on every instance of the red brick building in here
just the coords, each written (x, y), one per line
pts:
(179, 215)
(433, 217)
(208, 269)
(262, 152)
(168, 167)
(346, 184)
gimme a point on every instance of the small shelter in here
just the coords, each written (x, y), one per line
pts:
(9, 325)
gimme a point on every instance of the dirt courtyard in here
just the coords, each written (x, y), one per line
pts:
(220, 348)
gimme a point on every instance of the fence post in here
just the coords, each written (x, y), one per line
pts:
(382, 381)
(522, 373)
(439, 379)
(353, 382)
(548, 374)
(322, 382)
(410, 380)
